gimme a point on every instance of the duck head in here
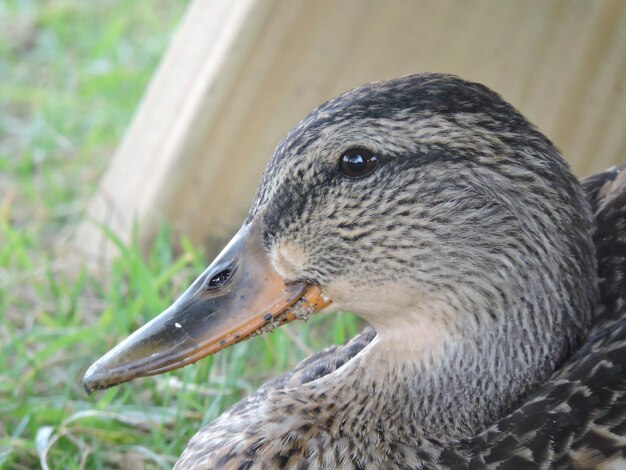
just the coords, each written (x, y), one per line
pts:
(425, 204)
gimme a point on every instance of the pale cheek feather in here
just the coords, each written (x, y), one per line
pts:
(288, 258)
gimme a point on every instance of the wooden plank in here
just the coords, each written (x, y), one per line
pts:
(181, 102)
(240, 74)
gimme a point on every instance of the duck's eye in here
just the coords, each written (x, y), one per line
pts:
(219, 279)
(357, 163)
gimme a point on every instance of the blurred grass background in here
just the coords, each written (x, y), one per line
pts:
(71, 74)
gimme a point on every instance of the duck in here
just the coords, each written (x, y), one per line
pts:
(492, 279)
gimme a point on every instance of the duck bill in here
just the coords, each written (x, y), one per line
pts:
(238, 296)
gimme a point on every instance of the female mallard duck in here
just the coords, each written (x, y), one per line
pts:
(432, 209)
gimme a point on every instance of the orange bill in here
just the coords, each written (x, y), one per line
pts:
(238, 296)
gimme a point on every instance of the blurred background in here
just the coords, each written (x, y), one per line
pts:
(133, 135)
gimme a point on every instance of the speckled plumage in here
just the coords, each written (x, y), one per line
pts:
(499, 338)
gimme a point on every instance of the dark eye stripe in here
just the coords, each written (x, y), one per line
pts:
(357, 163)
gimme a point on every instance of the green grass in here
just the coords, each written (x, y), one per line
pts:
(71, 74)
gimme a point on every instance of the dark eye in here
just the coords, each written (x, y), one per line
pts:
(219, 279)
(357, 163)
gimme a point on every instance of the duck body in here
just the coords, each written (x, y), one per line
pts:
(493, 280)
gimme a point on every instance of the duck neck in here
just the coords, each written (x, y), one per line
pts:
(425, 376)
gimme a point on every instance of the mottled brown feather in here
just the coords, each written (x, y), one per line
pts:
(573, 415)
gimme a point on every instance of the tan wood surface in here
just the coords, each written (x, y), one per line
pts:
(240, 73)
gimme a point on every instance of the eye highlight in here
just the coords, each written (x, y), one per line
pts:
(357, 163)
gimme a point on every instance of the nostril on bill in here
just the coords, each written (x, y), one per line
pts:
(219, 279)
